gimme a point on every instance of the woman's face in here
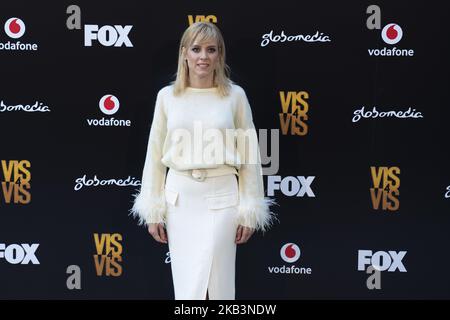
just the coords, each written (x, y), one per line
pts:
(202, 58)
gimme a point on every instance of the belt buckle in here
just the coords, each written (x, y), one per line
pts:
(198, 174)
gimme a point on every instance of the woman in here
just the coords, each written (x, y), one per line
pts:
(204, 207)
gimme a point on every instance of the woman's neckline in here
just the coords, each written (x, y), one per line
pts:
(212, 89)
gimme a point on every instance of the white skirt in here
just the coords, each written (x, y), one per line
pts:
(201, 232)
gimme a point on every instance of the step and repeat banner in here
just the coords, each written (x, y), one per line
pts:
(351, 102)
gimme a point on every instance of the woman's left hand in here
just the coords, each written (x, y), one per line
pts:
(243, 234)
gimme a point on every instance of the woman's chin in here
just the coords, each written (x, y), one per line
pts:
(203, 74)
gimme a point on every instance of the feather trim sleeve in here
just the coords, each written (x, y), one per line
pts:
(254, 207)
(149, 202)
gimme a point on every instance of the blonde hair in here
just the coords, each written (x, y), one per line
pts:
(203, 31)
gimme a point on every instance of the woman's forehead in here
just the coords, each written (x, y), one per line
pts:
(205, 42)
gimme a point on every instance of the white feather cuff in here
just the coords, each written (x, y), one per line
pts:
(149, 209)
(256, 214)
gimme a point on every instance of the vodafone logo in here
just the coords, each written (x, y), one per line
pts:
(14, 28)
(290, 252)
(392, 33)
(109, 104)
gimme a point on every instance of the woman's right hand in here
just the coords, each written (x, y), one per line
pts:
(157, 231)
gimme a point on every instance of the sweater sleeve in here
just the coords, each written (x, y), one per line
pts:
(149, 203)
(254, 208)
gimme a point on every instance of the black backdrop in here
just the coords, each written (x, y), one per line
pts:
(339, 76)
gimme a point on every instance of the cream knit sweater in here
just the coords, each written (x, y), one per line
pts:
(195, 130)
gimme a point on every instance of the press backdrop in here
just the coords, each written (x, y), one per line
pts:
(355, 97)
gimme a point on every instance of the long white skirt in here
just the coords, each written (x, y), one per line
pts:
(201, 232)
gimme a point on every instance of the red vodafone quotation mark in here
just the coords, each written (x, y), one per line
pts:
(14, 28)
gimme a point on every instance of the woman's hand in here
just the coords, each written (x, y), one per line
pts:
(157, 231)
(243, 234)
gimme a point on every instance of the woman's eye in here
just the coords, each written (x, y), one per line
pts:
(212, 50)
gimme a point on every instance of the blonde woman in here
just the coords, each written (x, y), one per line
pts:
(212, 196)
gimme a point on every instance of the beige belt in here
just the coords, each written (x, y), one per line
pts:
(202, 174)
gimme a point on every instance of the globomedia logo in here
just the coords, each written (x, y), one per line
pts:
(316, 37)
(109, 105)
(96, 182)
(391, 34)
(290, 253)
(167, 259)
(361, 113)
(15, 29)
(36, 107)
